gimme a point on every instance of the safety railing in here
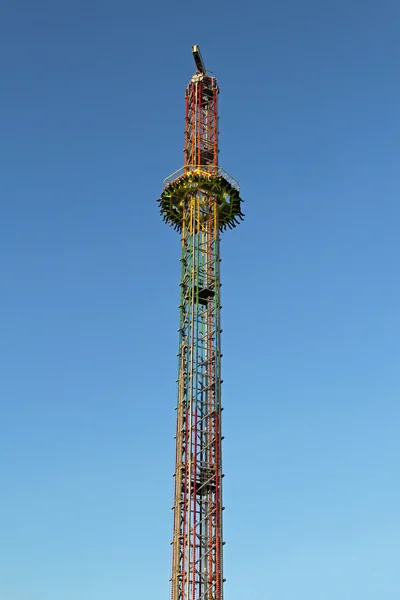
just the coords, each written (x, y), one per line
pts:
(211, 170)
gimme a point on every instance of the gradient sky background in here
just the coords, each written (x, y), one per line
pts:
(91, 120)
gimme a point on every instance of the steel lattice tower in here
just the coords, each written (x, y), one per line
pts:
(200, 200)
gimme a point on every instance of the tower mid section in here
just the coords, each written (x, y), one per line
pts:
(200, 200)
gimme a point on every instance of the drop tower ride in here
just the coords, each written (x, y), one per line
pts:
(200, 200)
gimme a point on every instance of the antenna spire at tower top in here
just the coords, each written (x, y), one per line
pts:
(198, 59)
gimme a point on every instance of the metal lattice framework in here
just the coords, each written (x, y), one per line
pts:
(200, 200)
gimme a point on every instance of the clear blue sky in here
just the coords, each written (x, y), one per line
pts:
(91, 120)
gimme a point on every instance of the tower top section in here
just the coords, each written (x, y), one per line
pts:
(202, 75)
(201, 173)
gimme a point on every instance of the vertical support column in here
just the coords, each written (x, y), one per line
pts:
(197, 537)
(197, 565)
